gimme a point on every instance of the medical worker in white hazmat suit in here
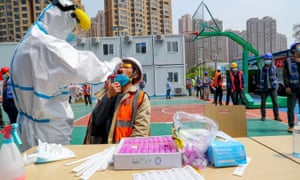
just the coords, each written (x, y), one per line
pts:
(43, 66)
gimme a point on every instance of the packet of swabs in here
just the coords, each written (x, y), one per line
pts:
(49, 152)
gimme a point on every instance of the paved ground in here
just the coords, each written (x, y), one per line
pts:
(163, 111)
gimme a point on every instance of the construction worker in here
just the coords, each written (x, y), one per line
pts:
(198, 87)
(237, 84)
(291, 79)
(7, 97)
(44, 65)
(217, 84)
(2, 123)
(268, 84)
(228, 88)
(87, 94)
(123, 110)
(206, 86)
(189, 86)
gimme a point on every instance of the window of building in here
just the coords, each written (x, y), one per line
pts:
(140, 48)
(172, 46)
(145, 77)
(108, 49)
(173, 76)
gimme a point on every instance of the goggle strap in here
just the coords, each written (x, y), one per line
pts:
(63, 8)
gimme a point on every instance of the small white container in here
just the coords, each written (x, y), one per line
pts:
(296, 139)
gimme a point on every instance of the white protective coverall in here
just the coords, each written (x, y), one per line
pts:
(42, 67)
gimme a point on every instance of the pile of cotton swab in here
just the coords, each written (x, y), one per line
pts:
(93, 163)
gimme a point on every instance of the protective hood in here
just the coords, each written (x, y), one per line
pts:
(56, 22)
(59, 23)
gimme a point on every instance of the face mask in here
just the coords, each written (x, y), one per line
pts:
(70, 38)
(5, 76)
(234, 69)
(298, 49)
(268, 62)
(122, 79)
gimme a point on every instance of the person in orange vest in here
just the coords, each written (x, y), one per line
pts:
(87, 94)
(189, 86)
(217, 84)
(238, 84)
(123, 110)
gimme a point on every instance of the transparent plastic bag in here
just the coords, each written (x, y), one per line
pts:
(194, 134)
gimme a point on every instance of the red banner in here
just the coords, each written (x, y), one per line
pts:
(279, 62)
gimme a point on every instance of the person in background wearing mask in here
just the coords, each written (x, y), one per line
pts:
(268, 84)
(168, 89)
(206, 86)
(7, 97)
(87, 94)
(291, 79)
(189, 86)
(217, 84)
(228, 88)
(198, 87)
(42, 68)
(237, 84)
(122, 110)
(2, 124)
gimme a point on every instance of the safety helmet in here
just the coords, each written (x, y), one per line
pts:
(137, 67)
(268, 56)
(234, 65)
(293, 46)
(4, 70)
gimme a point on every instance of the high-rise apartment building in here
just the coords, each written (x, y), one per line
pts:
(296, 29)
(185, 25)
(262, 34)
(98, 25)
(209, 50)
(138, 17)
(215, 47)
(281, 43)
(17, 16)
(235, 50)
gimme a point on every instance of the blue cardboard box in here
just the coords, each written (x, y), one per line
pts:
(226, 153)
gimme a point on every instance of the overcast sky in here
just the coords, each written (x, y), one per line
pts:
(233, 13)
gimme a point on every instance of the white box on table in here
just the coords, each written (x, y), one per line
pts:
(146, 160)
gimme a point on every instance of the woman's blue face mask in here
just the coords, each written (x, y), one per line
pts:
(122, 79)
(298, 49)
